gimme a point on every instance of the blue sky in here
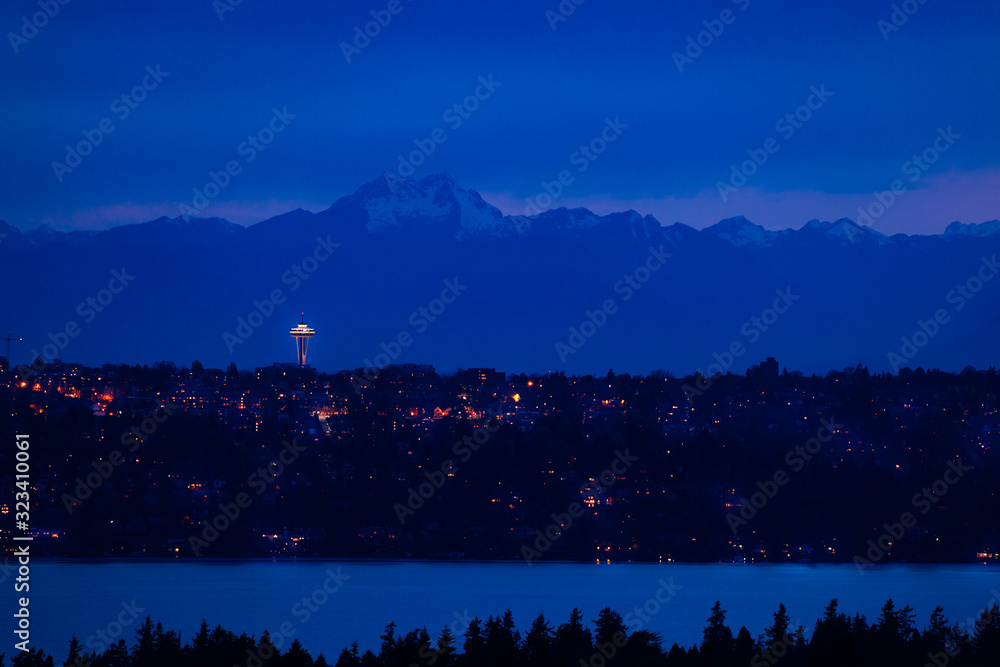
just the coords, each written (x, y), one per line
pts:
(891, 93)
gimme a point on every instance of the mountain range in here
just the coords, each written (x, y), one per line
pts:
(426, 271)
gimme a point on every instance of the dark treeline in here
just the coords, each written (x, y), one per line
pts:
(836, 640)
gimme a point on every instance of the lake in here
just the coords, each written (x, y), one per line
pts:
(329, 604)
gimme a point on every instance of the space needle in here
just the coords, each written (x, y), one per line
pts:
(302, 333)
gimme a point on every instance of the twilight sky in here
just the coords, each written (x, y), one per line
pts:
(886, 95)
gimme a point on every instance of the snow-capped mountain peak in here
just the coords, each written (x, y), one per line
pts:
(391, 202)
(741, 232)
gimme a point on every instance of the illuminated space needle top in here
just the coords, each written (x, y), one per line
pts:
(302, 333)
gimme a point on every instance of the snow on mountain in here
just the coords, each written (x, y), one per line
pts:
(578, 220)
(561, 218)
(10, 235)
(641, 226)
(435, 199)
(437, 204)
(531, 285)
(971, 229)
(42, 233)
(741, 232)
(846, 231)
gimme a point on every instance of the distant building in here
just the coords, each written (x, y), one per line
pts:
(410, 372)
(480, 378)
(280, 369)
(769, 370)
(194, 396)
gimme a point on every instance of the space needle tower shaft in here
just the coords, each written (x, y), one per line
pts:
(302, 333)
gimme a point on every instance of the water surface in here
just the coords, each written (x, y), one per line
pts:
(88, 597)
